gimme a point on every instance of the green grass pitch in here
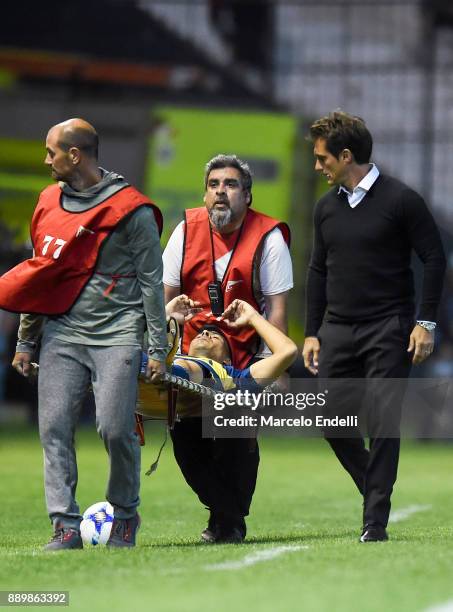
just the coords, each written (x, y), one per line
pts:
(301, 552)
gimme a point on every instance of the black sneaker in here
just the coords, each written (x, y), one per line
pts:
(124, 532)
(374, 533)
(231, 530)
(209, 535)
(64, 538)
(233, 535)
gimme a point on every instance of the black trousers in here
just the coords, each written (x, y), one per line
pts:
(222, 472)
(373, 349)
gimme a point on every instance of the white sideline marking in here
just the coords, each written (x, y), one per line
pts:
(401, 515)
(256, 557)
(443, 607)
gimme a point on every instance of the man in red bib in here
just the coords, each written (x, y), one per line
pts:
(223, 251)
(92, 288)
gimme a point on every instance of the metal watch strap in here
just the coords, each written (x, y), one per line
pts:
(428, 325)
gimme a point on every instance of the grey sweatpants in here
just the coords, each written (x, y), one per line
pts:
(65, 373)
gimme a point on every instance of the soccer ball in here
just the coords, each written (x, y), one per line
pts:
(96, 525)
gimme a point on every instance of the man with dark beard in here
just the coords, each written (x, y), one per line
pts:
(92, 288)
(221, 252)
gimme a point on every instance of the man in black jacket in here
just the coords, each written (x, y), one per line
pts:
(360, 297)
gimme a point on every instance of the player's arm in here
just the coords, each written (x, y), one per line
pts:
(192, 368)
(284, 351)
(276, 308)
(30, 329)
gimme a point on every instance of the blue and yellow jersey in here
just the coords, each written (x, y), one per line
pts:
(226, 377)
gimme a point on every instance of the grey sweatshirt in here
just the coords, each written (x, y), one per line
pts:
(135, 304)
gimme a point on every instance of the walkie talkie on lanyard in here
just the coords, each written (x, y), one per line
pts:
(216, 297)
(215, 291)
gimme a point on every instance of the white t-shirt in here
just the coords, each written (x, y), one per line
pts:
(276, 270)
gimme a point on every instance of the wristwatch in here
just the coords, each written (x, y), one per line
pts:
(428, 325)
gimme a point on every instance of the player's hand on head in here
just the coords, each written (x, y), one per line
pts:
(310, 354)
(21, 363)
(182, 308)
(238, 314)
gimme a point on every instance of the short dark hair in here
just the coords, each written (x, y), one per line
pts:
(344, 131)
(230, 161)
(83, 139)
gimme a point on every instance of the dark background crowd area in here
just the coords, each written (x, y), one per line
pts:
(12, 387)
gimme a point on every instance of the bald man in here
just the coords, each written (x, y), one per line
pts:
(96, 276)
